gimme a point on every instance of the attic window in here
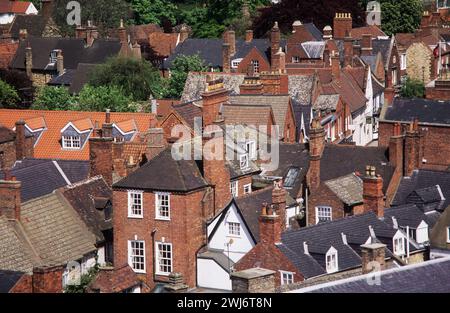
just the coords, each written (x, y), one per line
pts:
(291, 177)
(331, 260)
(255, 64)
(235, 63)
(399, 245)
(53, 57)
(71, 142)
(287, 277)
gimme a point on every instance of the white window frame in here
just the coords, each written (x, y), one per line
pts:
(234, 229)
(157, 258)
(69, 142)
(331, 260)
(448, 234)
(235, 63)
(131, 214)
(295, 59)
(247, 189)
(243, 161)
(399, 241)
(255, 64)
(250, 146)
(131, 255)
(234, 188)
(158, 207)
(286, 277)
(53, 57)
(320, 209)
(403, 61)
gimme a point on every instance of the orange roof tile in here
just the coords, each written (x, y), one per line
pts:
(127, 126)
(35, 122)
(83, 124)
(19, 7)
(163, 43)
(373, 30)
(49, 145)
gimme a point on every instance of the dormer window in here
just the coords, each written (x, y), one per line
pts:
(235, 63)
(399, 244)
(124, 130)
(243, 161)
(331, 259)
(53, 56)
(71, 142)
(251, 149)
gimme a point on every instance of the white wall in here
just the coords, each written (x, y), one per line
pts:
(101, 255)
(241, 244)
(422, 232)
(212, 275)
(6, 18)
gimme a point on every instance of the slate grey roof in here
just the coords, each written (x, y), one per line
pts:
(299, 111)
(314, 31)
(340, 160)
(41, 176)
(427, 111)
(424, 181)
(382, 46)
(219, 257)
(324, 102)
(370, 60)
(74, 52)
(210, 50)
(408, 215)
(8, 279)
(196, 84)
(89, 198)
(63, 80)
(81, 77)
(34, 24)
(279, 103)
(164, 173)
(348, 188)
(321, 237)
(427, 277)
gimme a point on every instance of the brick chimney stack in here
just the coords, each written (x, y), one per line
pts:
(342, 24)
(316, 147)
(413, 148)
(213, 97)
(279, 202)
(279, 62)
(80, 32)
(335, 65)
(248, 35)
(46, 8)
(10, 199)
(251, 86)
(270, 225)
(275, 39)
(21, 151)
(226, 58)
(348, 50)
(327, 33)
(91, 34)
(396, 148)
(229, 37)
(374, 252)
(425, 20)
(215, 170)
(373, 192)
(29, 61)
(366, 45)
(59, 62)
(47, 279)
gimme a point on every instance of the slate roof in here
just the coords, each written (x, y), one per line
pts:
(34, 24)
(86, 197)
(427, 277)
(49, 144)
(74, 52)
(218, 256)
(321, 237)
(382, 46)
(427, 111)
(237, 114)
(49, 232)
(63, 80)
(279, 103)
(189, 111)
(348, 188)
(302, 111)
(210, 50)
(314, 31)
(6, 134)
(80, 77)
(31, 172)
(165, 174)
(424, 182)
(324, 102)
(340, 160)
(408, 215)
(8, 279)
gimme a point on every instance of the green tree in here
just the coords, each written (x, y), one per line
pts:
(153, 11)
(179, 71)
(53, 98)
(413, 88)
(8, 96)
(399, 16)
(138, 79)
(101, 98)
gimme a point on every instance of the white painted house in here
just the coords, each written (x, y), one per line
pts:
(9, 9)
(229, 239)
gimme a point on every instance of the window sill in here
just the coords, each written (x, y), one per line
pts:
(162, 274)
(136, 216)
(162, 218)
(234, 236)
(139, 271)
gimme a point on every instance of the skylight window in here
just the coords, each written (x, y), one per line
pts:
(291, 177)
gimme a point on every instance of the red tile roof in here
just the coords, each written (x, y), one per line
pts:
(49, 145)
(18, 7)
(373, 30)
(112, 280)
(163, 43)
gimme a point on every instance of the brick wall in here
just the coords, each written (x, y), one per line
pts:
(7, 154)
(242, 181)
(323, 196)
(289, 126)
(185, 231)
(254, 54)
(23, 285)
(100, 156)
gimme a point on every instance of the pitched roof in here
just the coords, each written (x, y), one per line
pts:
(373, 30)
(18, 7)
(42, 176)
(189, 111)
(6, 134)
(218, 256)
(427, 111)
(163, 43)
(314, 31)
(382, 46)
(340, 160)
(80, 77)
(423, 181)
(165, 173)
(73, 49)
(348, 188)
(300, 88)
(34, 24)
(114, 280)
(84, 198)
(247, 114)
(49, 145)
(280, 105)
(408, 215)
(324, 102)
(8, 279)
(428, 277)
(350, 90)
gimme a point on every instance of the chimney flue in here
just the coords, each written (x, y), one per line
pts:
(10, 190)
(373, 196)
(59, 62)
